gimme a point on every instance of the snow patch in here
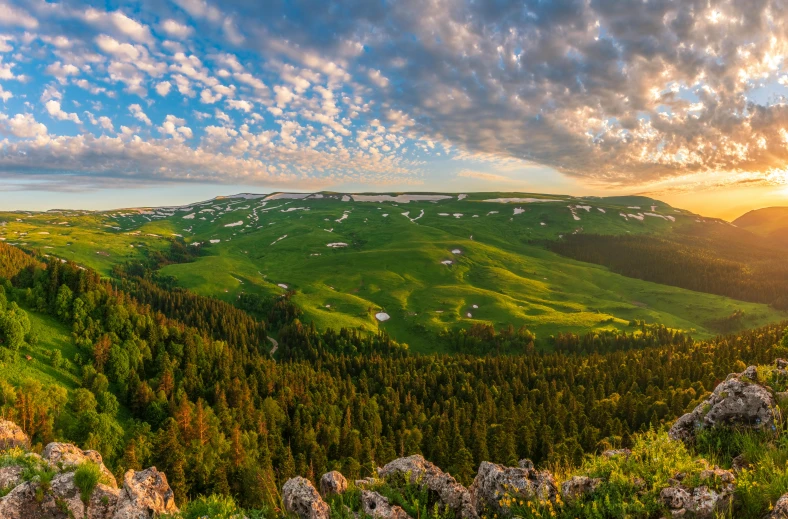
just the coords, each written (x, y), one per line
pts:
(462, 196)
(235, 224)
(521, 200)
(336, 245)
(382, 316)
(403, 199)
(290, 196)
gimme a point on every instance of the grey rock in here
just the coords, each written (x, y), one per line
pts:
(10, 476)
(145, 494)
(449, 491)
(66, 455)
(526, 464)
(332, 483)
(739, 463)
(375, 505)
(301, 498)
(612, 453)
(735, 402)
(780, 509)
(751, 373)
(578, 487)
(11, 435)
(493, 482)
(781, 363)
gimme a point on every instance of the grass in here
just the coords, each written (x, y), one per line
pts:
(52, 335)
(394, 265)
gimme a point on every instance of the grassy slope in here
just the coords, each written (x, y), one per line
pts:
(52, 335)
(765, 222)
(394, 264)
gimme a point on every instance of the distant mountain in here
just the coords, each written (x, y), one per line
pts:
(771, 222)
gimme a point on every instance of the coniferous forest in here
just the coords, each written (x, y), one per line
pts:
(187, 383)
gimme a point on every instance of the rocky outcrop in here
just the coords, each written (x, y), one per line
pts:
(578, 487)
(712, 498)
(375, 505)
(11, 435)
(448, 491)
(780, 509)
(494, 483)
(301, 498)
(147, 491)
(144, 495)
(737, 402)
(66, 455)
(332, 483)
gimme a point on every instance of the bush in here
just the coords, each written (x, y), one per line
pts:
(86, 477)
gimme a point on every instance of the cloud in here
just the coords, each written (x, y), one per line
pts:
(176, 29)
(12, 15)
(23, 125)
(54, 110)
(163, 88)
(136, 111)
(120, 24)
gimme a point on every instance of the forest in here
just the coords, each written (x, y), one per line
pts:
(725, 262)
(184, 383)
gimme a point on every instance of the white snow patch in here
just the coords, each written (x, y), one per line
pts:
(469, 315)
(336, 245)
(543, 224)
(345, 198)
(278, 239)
(457, 215)
(403, 199)
(521, 200)
(456, 251)
(600, 209)
(475, 306)
(235, 224)
(293, 196)
(518, 210)
(492, 212)
(343, 217)
(215, 241)
(462, 196)
(282, 285)
(289, 209)
(189, 216)
(634, 207)
(382, 316)
(447, 262)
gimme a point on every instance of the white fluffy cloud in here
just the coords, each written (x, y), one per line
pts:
(54, 110)
(139, 114)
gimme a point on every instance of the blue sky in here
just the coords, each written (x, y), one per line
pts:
(132, 103)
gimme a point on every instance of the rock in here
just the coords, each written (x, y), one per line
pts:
(700, 502)
(781, 363)
(494, 481)
(737, 402)
(449, 492)
(612, 453)
(145, 494)
(11, 435)
(62, 500)
(375, 505)
(751, 373)
(578, 487)
(739, 463)
(526, 464)
(675, 498)
(103, 502)
(65, 455)
(364, 483)
(780, 509)
(10, 476)
(723, 476)
(20, 503)
(332, 483)
(301, 498)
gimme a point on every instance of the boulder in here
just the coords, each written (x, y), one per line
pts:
(103, 502)
(145, 494)
(20, 503)
(701, 502)
(66, 455)
(737, 402)
(11, 435)
(781, 363)
(10, 476)
(751, 373)
(449, 492)
(332, 483)
(780, 509)
(494, 482)
(578, 487)
(301, 498)
(375, 505)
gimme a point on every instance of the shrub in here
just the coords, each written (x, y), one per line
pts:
(86, 477)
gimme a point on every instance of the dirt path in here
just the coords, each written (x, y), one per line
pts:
(275, 344)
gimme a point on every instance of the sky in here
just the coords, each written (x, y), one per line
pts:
(158, 102)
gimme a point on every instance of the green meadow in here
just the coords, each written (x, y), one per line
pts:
(430, 265)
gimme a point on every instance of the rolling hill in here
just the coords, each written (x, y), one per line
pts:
(423, 262)
(770, 222)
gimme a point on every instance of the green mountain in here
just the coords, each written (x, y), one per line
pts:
(770, 222)
(412, 265)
